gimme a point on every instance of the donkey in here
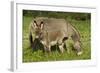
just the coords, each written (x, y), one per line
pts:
(52, 31)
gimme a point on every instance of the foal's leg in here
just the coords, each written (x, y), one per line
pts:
(66, 46)
(47, 47)
(65, 39)
(61, 44)
(61, 48)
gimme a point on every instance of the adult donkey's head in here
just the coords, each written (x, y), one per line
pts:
(38, 28)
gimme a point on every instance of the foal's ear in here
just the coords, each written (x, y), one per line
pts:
(35, 24)
(41, 25)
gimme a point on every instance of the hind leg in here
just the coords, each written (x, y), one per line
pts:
(77, 46)
(61, 44)
(66, 46)
(61, 48)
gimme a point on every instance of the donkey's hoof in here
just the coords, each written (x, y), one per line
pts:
(79, 53)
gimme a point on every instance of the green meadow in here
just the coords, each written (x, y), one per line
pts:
(80, 21)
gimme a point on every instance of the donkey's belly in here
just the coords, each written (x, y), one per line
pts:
(50, 43)
(53, 43)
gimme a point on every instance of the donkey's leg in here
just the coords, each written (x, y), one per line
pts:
(31, 40)
(66, 46)
(61, 44)
(78, 47)
(47, 47)
(61, 48)
(64, 41)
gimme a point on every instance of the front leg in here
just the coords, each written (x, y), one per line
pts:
(61, 47)
(47, 47)
(31, 40)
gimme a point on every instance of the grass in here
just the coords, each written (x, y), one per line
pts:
(37, 56)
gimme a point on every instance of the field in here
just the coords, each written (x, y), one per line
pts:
(83, 26)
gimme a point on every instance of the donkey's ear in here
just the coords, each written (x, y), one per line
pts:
(42, 25)
(35, 24)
